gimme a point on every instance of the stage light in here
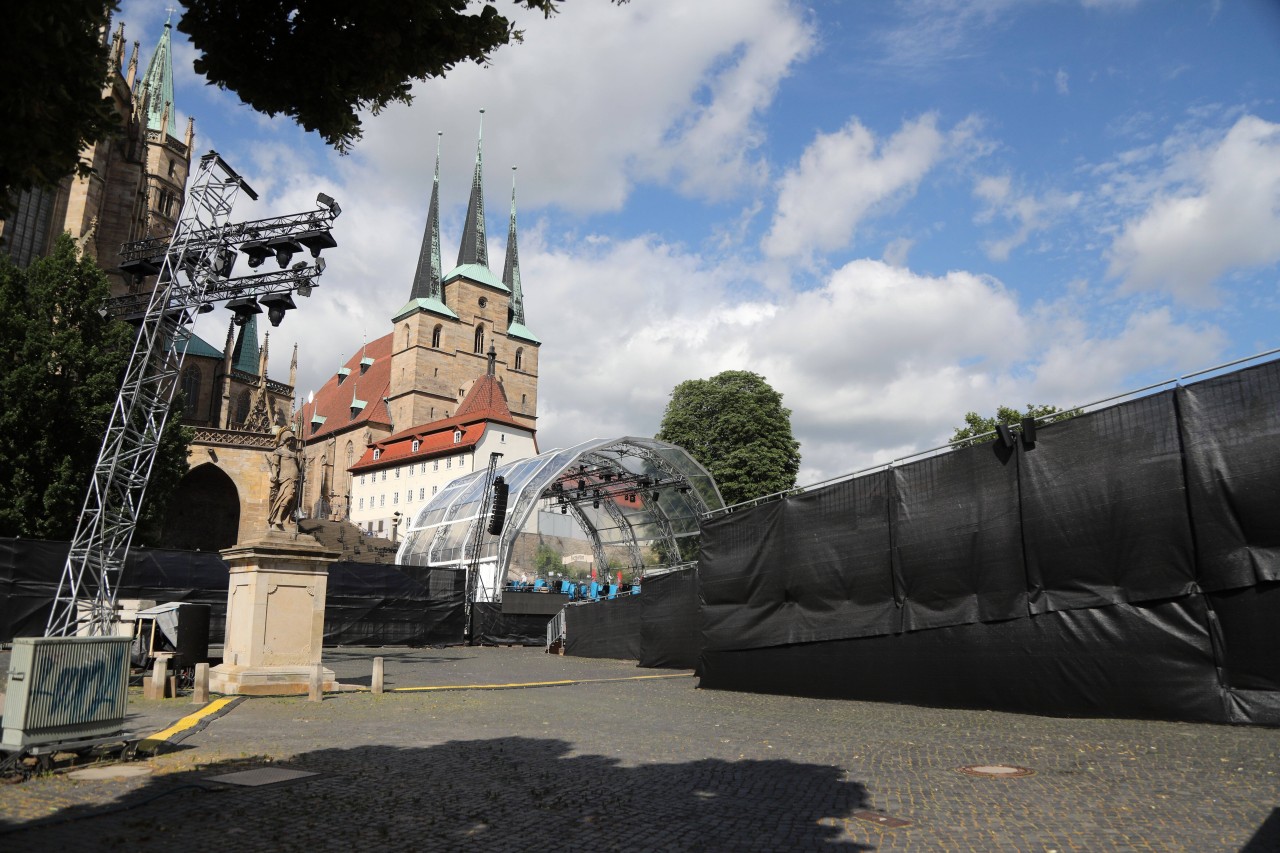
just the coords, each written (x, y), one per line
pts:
(277, 304)
(304, 289)
(257, 251)
(285, 247)
(596, 504)
(564, 510)
(1005, 434)
(317, 241)
(1028, 432)
(243, 309)
(327, 200)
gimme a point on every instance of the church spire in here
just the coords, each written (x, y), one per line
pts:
(475, 248)
(426, 280)
(246, 353)
(511, 269)
(157, 86)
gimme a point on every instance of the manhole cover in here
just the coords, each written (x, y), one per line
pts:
(1003, 771)
(261, 776)
(111, 771)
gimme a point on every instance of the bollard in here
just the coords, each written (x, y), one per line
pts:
(315, 692)
(200, 687)
(158, 679)
(377, 675)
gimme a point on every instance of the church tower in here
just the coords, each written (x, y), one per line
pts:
(168, 157)
(441, 336)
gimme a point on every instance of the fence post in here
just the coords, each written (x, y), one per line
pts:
(377, 675)
(200, 688)
(315, 691)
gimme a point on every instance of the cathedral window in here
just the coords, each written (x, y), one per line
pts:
(519, 358)
(479, 340)
(191, 389)
(435, 336)
(242, 408)
(172, 167)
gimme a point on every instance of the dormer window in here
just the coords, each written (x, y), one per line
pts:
(457, 436)
(416, 445)
(377, 453)
(365, 364)
(343, 373)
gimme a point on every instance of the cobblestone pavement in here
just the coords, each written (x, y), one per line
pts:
(614, 763)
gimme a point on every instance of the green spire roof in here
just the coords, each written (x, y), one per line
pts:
(157, 85)
(426, 279)
(511, 275)
(475, 248)
(245, 355)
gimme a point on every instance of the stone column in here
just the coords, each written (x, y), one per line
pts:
(275, 616)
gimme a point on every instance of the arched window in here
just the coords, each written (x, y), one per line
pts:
(406, 335)
(519, 358)
(191, 389)
(242, 408)
(480, 340)
(435, 336)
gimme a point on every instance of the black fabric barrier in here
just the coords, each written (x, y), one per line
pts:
(491, 627)
(192, 577)
(670, 629)
(29, 573)
(1231, 437)
(742, 597)
(1104, 508)
(1249, 629)
(604, 629)
(379, 604)
(1148, 660)
(957, 541)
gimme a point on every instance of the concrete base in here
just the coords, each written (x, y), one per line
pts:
(229, 679)
(275, 616)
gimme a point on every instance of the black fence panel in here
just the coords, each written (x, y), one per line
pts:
(380, 604)
(192, 577)
(1153, 660)
(1104, 509)
(1231, 435)
(1249, 626)
(604, 629)
(742, 596)
(670, 629)
(957, 539)
(29, 574)
(491, 627)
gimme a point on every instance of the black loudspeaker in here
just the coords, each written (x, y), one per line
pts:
(499, 516)
(1028, 432)
(1006, 434)
(193, 635)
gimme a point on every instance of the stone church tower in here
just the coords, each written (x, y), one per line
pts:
(139, 176)
(436, 350)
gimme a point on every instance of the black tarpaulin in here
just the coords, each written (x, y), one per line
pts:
(1104, 510)
(742, 597)
(29, 574)
(192, 577)
(491, 627)
(379, 604)
(1231, 435)
(1249, 628)
(957, 539)
(670, 629)
(1124, 660)
(604, 629)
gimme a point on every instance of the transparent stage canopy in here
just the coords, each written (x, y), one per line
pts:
(637, 496)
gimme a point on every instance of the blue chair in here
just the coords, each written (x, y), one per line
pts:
(539, 584)
(613, 590)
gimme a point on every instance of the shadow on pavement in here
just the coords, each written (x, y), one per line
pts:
(499, 794)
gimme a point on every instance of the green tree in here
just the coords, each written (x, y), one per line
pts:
(735, 425)
(61, 362)
(55, 105)
(546, 560)
(976, 426)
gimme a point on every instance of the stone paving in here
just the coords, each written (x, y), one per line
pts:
(614, 763)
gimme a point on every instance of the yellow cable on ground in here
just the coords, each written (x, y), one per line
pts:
(153, 742)
(533, 683)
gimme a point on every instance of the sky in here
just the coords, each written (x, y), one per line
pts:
(895, 212)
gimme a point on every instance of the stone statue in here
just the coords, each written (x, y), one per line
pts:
(284, 462)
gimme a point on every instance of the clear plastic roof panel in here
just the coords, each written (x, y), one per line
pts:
(632, 492)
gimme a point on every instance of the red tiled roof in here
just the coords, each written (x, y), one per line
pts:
(485, 403)
(333, 400)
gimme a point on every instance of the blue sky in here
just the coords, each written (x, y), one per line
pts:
(896, 212)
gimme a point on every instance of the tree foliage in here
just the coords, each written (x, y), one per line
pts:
(546, 560)
(61, 363)
(53, 102)
(735, 425)
(976, 426)
(319, 62)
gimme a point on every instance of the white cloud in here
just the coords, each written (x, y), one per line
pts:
(845, 176)
(1217, 210)
(1061, 82)
(1028, 213)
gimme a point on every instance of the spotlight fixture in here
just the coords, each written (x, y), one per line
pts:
(257, 251)
(596, 503)
(304, 289)
(243, 309)
(564, 510)
(285, 247)
(277, 304)
(317, 241)
(327, 201)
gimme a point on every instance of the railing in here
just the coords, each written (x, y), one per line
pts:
(234, 438)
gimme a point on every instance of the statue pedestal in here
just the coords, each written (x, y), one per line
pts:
(275, 616)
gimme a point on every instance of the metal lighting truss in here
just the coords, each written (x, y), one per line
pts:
(203, 248)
